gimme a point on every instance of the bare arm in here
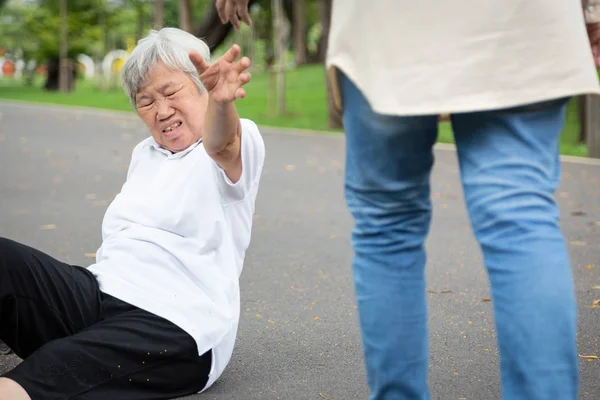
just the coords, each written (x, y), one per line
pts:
(223, 81)
(221, 137)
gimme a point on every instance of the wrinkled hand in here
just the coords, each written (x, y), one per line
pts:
(224, 78)
(231, 10)
(593, 31)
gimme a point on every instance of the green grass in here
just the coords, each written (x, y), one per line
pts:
(306, 103)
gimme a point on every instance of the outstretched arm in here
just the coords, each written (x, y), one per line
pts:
(223, 81)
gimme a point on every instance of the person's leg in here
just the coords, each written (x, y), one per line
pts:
(41, 298)
(510, 169)
(388, 164)
(130, 354)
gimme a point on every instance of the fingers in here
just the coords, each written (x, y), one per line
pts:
(198, 61)
(232, 53)
(243, 11)
(220, 6)
(245, 77)
(240, 93)
(242, 65)
(230, 11)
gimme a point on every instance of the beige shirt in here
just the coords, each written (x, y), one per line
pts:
(423, 57)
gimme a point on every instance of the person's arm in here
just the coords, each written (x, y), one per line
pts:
(221, 138)
(223, 81)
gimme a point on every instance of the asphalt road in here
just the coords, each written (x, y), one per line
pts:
(298, 338)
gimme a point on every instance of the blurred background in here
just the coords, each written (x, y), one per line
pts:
(70, 52)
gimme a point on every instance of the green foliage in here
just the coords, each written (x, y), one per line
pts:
(32, 30)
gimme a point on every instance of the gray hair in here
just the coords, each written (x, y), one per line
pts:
(171, 46)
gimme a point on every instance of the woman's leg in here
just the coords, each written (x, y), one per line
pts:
(510, 168)
(130, 354)
(42, 299)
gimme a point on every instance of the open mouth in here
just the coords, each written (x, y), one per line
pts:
(171, 128)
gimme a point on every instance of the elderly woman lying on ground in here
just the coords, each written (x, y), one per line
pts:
(156, 316)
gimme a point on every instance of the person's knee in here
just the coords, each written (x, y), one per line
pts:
(511, 212)
(11, 390)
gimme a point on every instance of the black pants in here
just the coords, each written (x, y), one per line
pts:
(80, 343)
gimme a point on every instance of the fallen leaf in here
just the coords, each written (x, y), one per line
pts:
(432, 291)
(316, 318)
(596, 287)
(325, 397)
(90, 255)
(331, 236)
(577, 243)
(270, 321)
(595, 223)
(90, 196)
(258, 316)
(596, 303)
(588, 267)
(446, 291)
(485, 300)
(589, 357)
(48, 227)
(101, 203)
(290, 167)
(578, 213)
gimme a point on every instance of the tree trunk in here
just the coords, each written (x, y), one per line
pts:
(139, 29)
(334, 117)
(211, 30)
(325, 14)
(581, 113)
(590, 123)
(299, 28)
(281, 33)
(159, 14)
(185, 15)
(63, 63)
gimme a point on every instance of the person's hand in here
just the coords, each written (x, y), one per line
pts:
(593, 31)
(224, 78)
(232, 10)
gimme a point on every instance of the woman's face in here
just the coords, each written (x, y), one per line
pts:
(172, 108)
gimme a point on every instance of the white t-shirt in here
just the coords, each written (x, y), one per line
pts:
(175, 237)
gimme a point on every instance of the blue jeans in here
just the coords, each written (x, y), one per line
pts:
(509, 169)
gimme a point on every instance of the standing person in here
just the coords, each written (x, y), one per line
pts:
(504, 71)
